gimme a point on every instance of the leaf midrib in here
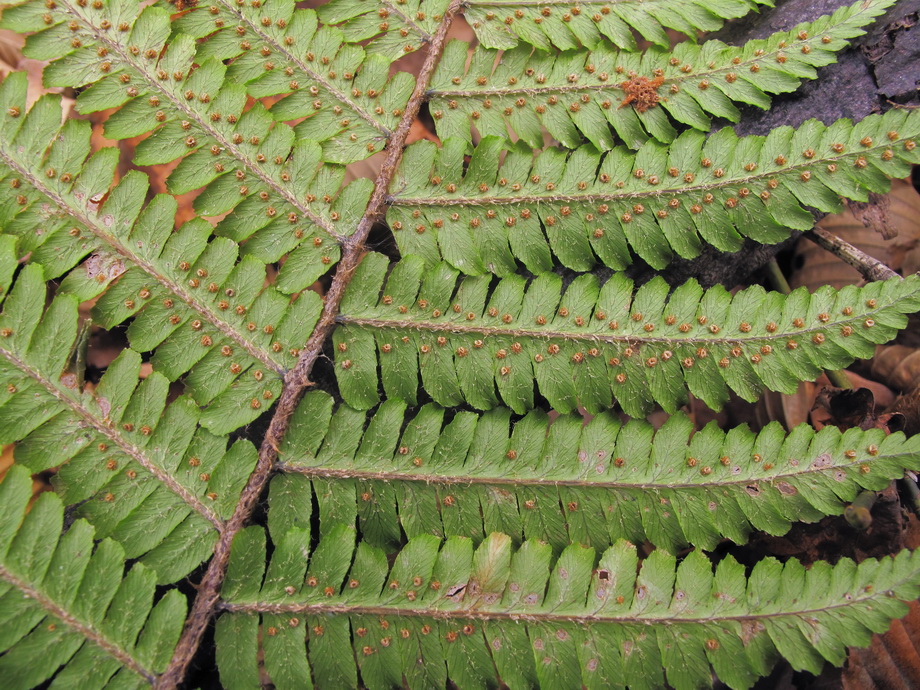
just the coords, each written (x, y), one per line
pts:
(593, 337)
(423, 35)
(314, 75)
(668, 80)
(541, 617)
(612, 485)
(657, 191)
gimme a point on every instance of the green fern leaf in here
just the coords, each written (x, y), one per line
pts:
(564, 24)
(478, 343)
(208, 311)
(399, 27)
(142, 470)
(496, 615)
(584, 94)
(584, 207)
(282, 200)
(566, 482)
(485, 552)
(345, 98)
(309, 61)
(69, 611)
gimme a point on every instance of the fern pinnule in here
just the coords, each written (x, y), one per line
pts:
(584, 207)
(478, 343)
(287, 198)
(310, 62)
(396, 28)
(567, 482)
(526, 619)
(70, 611)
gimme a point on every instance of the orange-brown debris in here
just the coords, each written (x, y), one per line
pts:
(641, 92)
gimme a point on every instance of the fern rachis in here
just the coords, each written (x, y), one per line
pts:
(494, 545)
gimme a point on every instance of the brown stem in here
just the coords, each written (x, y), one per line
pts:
(870, 268)
(298, 378)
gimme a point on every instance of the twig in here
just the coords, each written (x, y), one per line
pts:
(871, 269)
(776, 277)
(298, 378)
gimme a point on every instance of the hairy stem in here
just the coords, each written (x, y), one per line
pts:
(517, 480)
(548, 617)
(668, 187)
(298, 378)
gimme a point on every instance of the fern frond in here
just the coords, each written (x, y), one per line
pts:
(496, 615)
(583, 94)
(343, 97)
(189, 297)
(282, 199)
(145, 473)
(567, 482)
(565, 24)
(69, 611)
(584, 207)
(403, 26)
(91, 48)
(478, 343)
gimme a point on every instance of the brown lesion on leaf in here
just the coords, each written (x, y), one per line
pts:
(642, 92)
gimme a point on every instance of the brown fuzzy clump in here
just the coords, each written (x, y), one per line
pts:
(642, 92)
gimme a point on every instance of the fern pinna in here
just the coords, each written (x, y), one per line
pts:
(461, 499)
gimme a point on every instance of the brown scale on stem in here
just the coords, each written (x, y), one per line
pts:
(642, 92)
